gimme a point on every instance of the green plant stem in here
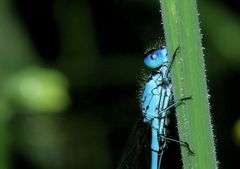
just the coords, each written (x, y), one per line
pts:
(181, 26)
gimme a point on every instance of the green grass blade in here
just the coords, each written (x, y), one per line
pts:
(181, 26)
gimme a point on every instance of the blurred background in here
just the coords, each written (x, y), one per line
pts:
(70, 72)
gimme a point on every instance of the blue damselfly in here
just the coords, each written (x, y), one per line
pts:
(156, 101)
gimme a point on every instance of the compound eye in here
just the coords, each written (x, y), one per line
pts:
(154, 56)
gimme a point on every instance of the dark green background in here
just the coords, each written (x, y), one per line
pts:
(70, 72)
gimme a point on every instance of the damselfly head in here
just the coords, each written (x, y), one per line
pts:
(156, 57)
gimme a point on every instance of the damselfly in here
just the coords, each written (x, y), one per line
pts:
(156, 100)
